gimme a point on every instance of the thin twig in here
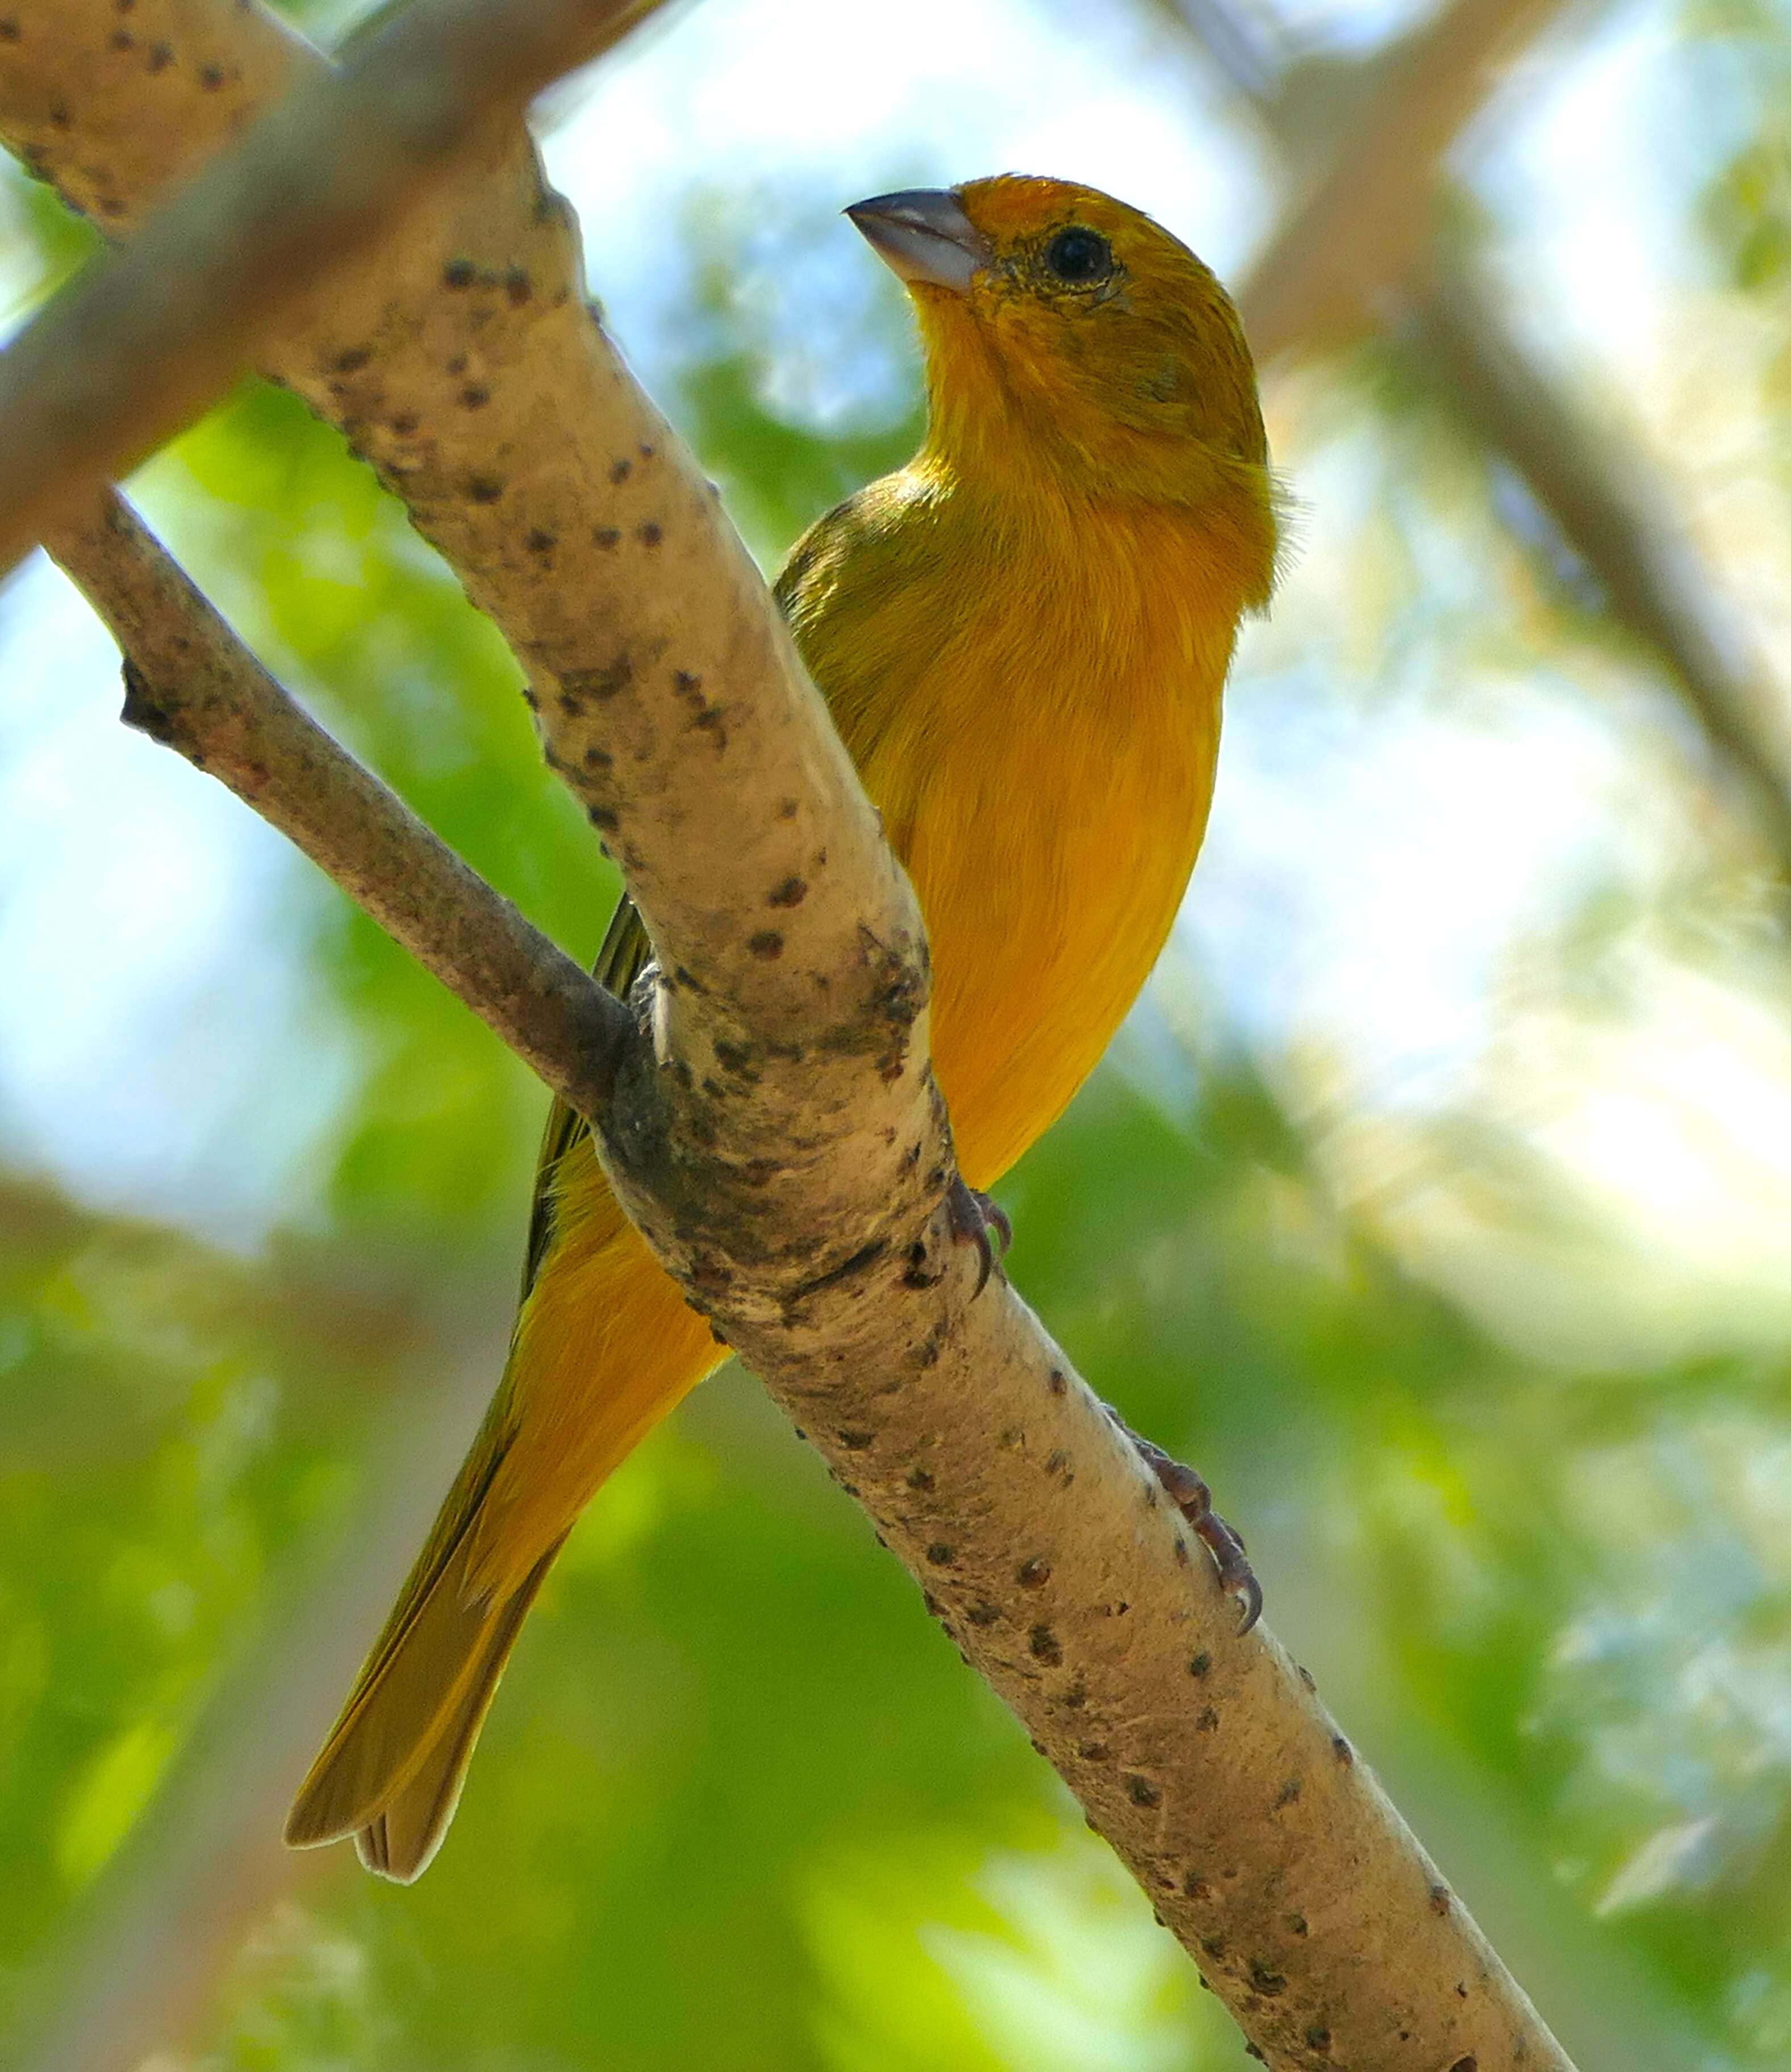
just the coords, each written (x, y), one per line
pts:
(192, 685)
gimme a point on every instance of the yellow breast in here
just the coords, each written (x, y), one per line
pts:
(1033, 707)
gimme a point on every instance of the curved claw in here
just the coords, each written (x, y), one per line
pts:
(1235, 1572)
(974, 1218)
(1189, 1493)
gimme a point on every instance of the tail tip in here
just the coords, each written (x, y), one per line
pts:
(306, 1829)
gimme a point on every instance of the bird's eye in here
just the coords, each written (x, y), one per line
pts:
(1079, 256)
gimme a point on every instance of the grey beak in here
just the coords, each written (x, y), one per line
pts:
(923, 235)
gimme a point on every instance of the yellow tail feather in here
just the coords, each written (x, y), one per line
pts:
(605, 1341)
(391, 1771)
(400, 1839)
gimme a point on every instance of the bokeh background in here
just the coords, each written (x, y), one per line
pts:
(1436, 1199)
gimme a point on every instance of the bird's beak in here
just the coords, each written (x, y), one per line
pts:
(923, 236)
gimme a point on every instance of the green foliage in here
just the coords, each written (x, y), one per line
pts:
(152, 1485)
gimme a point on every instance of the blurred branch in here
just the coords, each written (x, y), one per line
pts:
(324, 1317)
(1243, 50)
(1363, 247)
(784, 1148)
(1372, 209)
(131, 1971)
(191, 684)
(1615, 520)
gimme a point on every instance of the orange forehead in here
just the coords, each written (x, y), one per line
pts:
(1019, 205)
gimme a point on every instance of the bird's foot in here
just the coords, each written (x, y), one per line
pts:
(979, 1220)
(1190, 1495)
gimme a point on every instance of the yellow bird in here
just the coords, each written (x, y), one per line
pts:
(1023, 636)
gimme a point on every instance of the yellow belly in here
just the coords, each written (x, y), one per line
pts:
(1049, 837)
(1043, 922)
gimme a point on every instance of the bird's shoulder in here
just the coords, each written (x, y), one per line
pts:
(873, 587)
(894, 531)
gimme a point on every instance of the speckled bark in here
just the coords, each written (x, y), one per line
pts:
(372, 155)
(776, 1131)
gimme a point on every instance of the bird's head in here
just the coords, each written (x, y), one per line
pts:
(1059, 317)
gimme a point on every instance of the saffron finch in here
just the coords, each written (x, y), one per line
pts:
(1023, 636)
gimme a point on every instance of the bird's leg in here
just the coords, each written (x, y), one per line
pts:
(979, 1220)
(1190, 1495)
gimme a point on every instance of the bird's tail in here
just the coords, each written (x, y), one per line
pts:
(604, 1347)
(391, 1771)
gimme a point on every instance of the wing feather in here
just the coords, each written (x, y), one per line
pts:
(619, 962)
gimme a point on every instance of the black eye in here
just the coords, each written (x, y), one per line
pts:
(1079, 256)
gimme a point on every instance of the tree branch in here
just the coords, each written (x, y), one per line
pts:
(1043, 1545)
(192, 685)
(149, 334)
(788, 1093)
(459, 355)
